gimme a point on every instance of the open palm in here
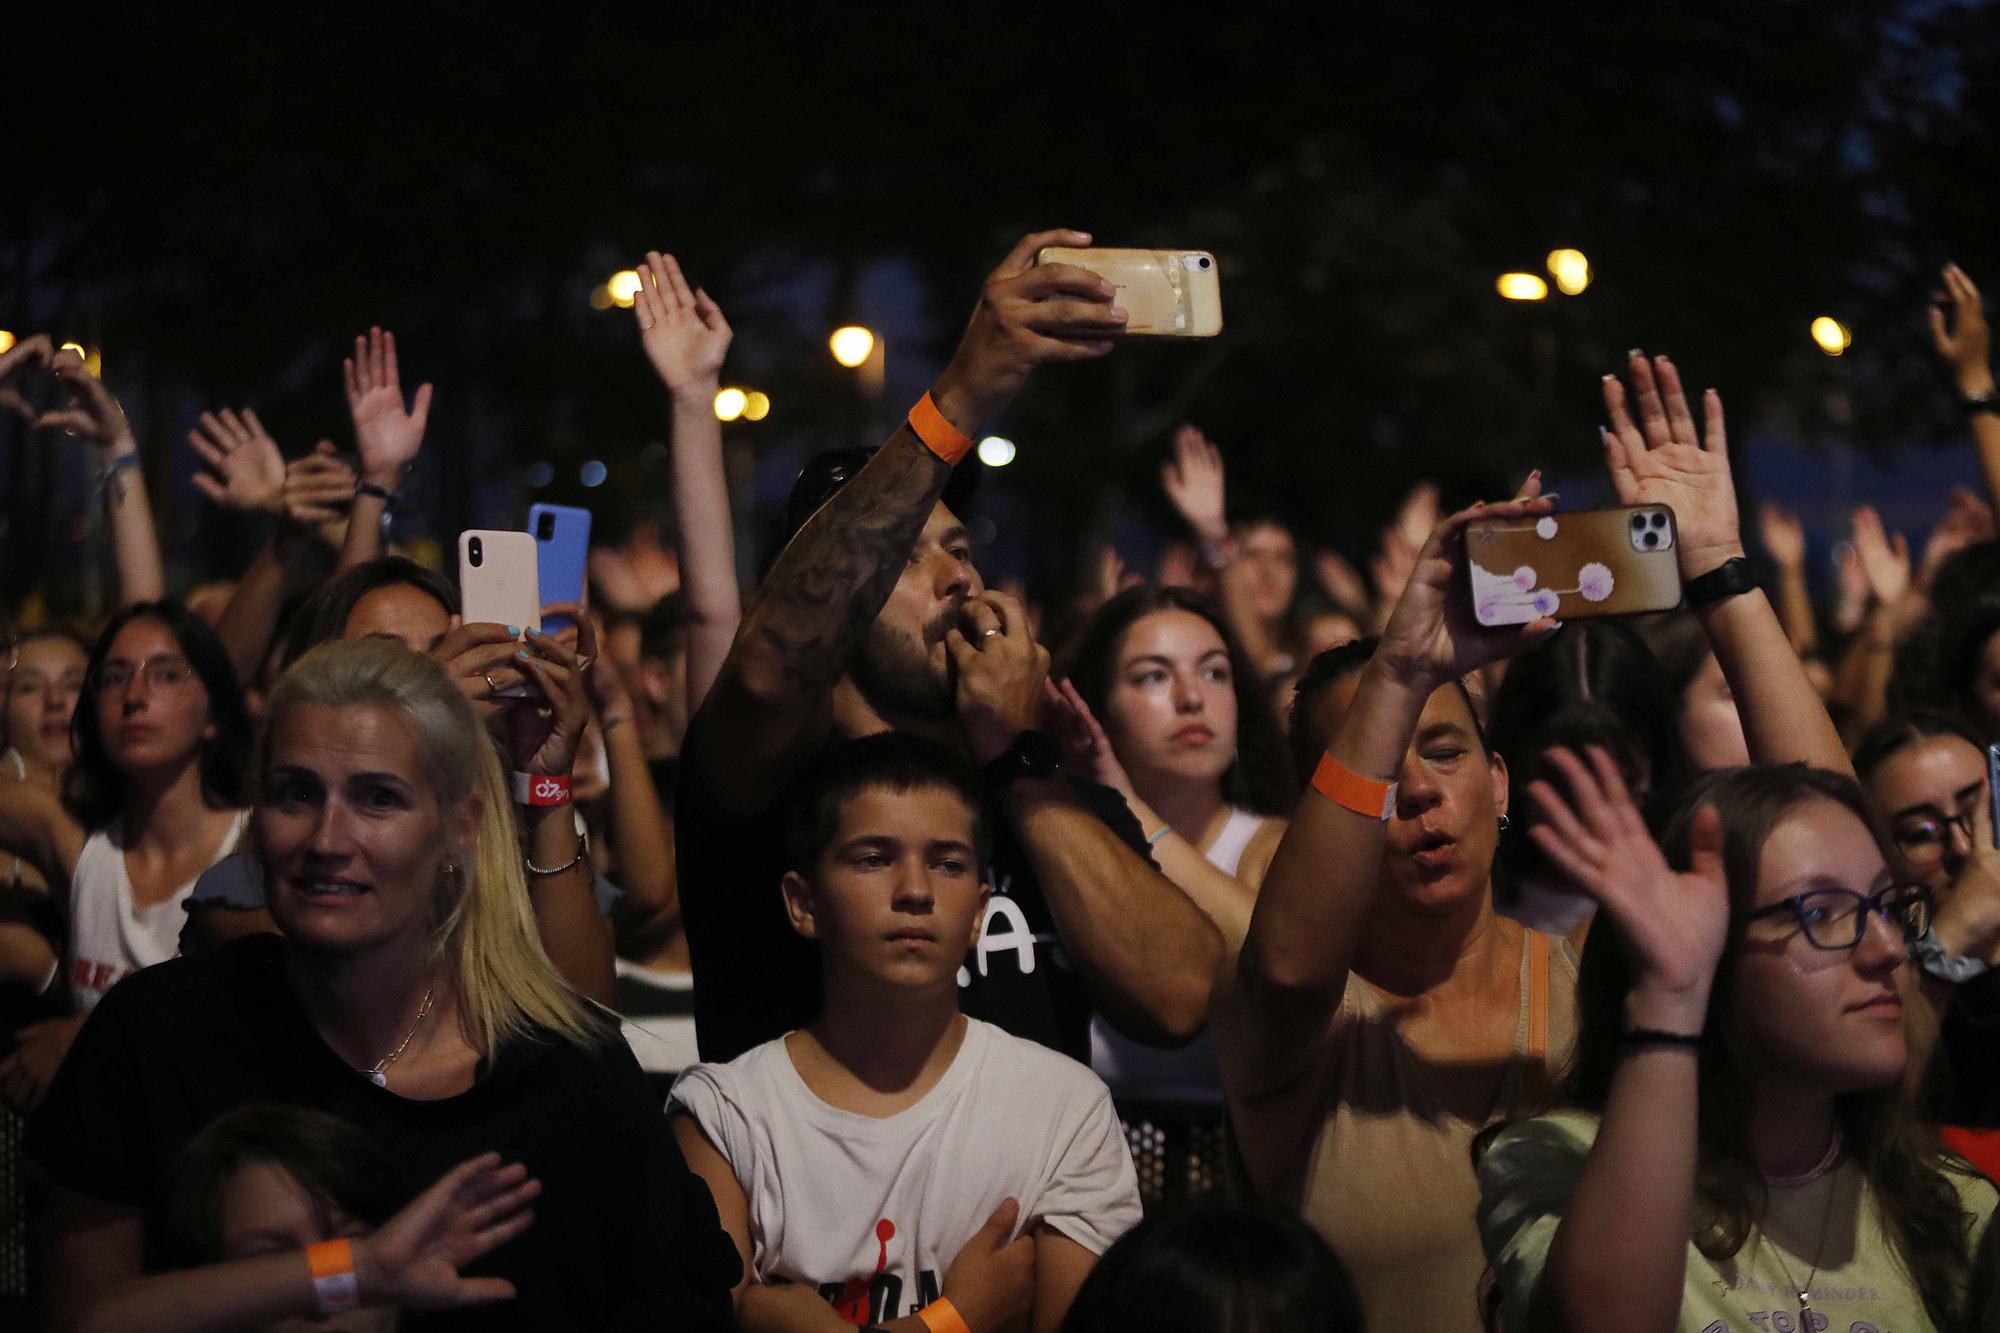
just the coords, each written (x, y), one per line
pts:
(387, 435)
(413, 1262)
(1661, 459)
(682, 330)
(249, 468)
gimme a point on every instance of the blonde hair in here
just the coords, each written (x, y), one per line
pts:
(483, 926)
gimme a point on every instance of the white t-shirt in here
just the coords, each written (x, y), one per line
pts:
(870, 1212)
(656, 1012)
(109, 938)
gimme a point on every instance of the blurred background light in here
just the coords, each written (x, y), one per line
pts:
(756, 406)
(996, 451)
(592, 473)
(1831, 335)
(1521, 287)
(851, 345)
(729, 404)
(1570, 270)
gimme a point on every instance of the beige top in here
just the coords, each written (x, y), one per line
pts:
(1389, 1180)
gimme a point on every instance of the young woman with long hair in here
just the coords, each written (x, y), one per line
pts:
(1737, 1147)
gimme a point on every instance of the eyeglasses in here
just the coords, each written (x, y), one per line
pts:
(163, 673)
(1923, 838)
(1836, 919)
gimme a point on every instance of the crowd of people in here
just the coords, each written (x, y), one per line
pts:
(1275, 947)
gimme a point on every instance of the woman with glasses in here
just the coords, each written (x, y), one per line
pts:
(152, 800)
(1925, 778)
(1736, 1150)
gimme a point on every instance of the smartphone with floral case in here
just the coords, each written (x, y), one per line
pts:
(1587, 562)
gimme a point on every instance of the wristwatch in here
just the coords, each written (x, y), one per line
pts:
(1729, 579)
(1928, 952)
(1979, 402)
(1033, 754)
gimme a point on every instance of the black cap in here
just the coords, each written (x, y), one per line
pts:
(829, 470)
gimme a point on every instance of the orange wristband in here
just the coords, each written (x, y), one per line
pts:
(1350, 791)
(939, 435)
(335, 1287)
(941, 1316)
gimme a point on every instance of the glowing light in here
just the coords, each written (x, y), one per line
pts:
(592, 473)
(729, 404)
(6, 340)
(541, 474)
(1521, 287)
(996, 451)
(623, 287)
(1831, 335)
(851, 345)
(78, 348)
(756, 406)
(600, 297)
(1570, 270)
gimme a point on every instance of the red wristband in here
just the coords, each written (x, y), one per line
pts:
(939, 435)
(1350, 791)
(538, 789)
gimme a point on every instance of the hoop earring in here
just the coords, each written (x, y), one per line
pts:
(1505, 823)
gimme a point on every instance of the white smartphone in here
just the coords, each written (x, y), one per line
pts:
(499, 583)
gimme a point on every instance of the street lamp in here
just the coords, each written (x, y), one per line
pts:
(852, 345)
(623, 288)
(996, 451)
(1570, 270)
(756, 406)
(1831, 335)
(730, 404)
(1521, 287)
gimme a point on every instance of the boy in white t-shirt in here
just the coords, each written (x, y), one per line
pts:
(896, 1163)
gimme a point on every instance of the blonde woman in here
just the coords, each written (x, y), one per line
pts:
(410, 995)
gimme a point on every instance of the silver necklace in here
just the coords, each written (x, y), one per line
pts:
(379, 1074)
(1824, 1166)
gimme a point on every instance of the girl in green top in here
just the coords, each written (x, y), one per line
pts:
(1740, 1152)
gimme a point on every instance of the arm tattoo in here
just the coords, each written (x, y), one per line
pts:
(833, 578)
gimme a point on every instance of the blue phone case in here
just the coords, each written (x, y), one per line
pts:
(563, 555)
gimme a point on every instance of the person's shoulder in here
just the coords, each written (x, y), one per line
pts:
(218, 975)
(756, 1068)
(1567, 1132)
(1008, 1061)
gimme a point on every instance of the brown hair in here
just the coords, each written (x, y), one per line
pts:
(1898, 1154)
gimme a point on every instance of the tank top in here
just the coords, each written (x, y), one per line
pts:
(1186, 1073)
(109, 937)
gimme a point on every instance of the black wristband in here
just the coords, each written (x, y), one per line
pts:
(1634, 1037)
(1729, 579)
(370, 488)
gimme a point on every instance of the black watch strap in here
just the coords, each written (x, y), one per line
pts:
(1034, 754)
(1731, 578)
(1980, 402)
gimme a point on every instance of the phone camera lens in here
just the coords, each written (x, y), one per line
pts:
(1638, 522)
(1204, 261)
(475, 552)
(546, 528)
(1658, 519)
(1650, 540)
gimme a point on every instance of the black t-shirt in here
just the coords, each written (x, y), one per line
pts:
(624, 1235)
(756, 978)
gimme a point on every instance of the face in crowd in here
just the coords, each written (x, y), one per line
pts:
(42, 690)
(896, 897)
(1930, 799)
(152, 709)
(1450, 796)
(400, 611)
(903, 663)
(1170, 710)
(1267, 565)
(1811, 1002)
(266, 1211)
(355, 835)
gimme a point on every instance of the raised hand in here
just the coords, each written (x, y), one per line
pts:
(1662, 460)
(683, 331)
(1783, 535)
(1341, 581)
(1885, 557)
(31, 353)
(1676, 923)
(387, 435)
(1028, 314)
(1968, 521)
(319, 488)
(1432, 635)
(1962, 340)
(249, 468)
(1193, 481)
(1085, 746)
(89, 410)
(413, 1262)
(547, 732)
(1001, 671)
(1852, 605)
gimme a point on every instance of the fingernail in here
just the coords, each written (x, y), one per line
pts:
(513, 629)
(1610, 379)
(523, 654)
(1118, 313)
(1633, 352)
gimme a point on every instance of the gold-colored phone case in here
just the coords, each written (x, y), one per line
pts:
(1166, 293)
(1588, 562)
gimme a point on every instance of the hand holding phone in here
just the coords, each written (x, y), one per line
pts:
(1587, 562)
(498, 584)
(562, 551)
(1164, 293)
